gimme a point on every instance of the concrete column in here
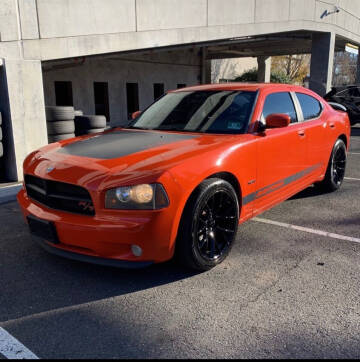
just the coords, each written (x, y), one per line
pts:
(205, 67)
(322, 62)
(23, 108)
(264, 69)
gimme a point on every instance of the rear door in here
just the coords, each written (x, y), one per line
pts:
(281, 153)
(315, 129)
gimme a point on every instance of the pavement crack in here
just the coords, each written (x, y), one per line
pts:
(275, 283)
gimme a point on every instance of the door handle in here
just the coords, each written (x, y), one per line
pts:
(301, 133)
(332, 125)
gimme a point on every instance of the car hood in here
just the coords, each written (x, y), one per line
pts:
(124, 155)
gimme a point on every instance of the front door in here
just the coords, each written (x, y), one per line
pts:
(281, 154)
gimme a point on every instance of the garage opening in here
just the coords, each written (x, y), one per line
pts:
(132, 96)
(129, 82)
(101, 97)
(63, 94)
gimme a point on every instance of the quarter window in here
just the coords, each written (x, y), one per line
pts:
(280, 103)
(310, 106)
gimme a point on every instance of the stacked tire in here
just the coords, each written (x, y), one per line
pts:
(89, 124)
(60, 123)
(78, 112)
(1, 137)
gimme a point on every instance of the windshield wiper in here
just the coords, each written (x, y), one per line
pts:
(172, 129)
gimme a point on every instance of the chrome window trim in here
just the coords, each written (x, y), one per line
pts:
(298, 109)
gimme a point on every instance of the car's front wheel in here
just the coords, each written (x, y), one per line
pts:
(208, 225)
(335, 172)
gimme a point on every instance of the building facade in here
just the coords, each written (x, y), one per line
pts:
(116, 55)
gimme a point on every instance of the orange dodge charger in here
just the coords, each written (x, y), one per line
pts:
(183, 175)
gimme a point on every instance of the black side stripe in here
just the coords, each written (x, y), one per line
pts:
(278, 185)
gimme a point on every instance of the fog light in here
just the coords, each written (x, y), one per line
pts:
(136, 250)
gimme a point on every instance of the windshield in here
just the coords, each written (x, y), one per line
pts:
(199, 111)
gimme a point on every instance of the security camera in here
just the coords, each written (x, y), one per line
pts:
(327, 12)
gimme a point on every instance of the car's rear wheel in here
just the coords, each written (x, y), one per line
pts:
(208, 226)
(335, 172)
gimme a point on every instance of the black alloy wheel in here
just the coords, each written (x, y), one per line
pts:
(338, 164)
(335, 172)
(209, 225)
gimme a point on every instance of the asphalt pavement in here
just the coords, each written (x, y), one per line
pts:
(282, 292)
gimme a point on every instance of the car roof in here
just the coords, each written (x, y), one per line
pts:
(237, 86)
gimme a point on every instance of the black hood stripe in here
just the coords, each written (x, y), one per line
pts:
(121, 143)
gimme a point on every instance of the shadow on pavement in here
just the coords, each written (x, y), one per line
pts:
(311, 191)
(47, 282)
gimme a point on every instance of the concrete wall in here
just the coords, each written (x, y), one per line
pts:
(9, 24)
(24, 113)
(169, 68)
(63, 18)
(32, 31)
(55, 29)
(230, 68)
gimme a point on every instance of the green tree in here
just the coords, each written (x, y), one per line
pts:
(295, 67)
(252, 74)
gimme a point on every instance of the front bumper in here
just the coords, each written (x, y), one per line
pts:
(90, 259)
(107, 237)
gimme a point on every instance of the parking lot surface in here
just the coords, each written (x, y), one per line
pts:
(282, 292)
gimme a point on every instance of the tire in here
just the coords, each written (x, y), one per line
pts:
(1, 134)
(208, 225)
(335, 171)
(94, 130)
(78, 112)
(89, 131)
(1, 149)
(60, 137)
(89, 122)
(353, 121)
(60, 127)
(56, 113)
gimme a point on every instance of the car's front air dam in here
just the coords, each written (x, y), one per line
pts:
(108, 235)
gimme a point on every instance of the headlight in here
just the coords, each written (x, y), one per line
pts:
(138, 197)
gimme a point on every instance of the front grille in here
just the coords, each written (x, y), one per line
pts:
(59, 195)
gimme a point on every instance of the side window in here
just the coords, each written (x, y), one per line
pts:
(310, 106)
(354, 92)
(349, 92)
(343, 93)
(280, 103)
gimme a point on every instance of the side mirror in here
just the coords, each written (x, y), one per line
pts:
(135, 114)
(277, 120)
